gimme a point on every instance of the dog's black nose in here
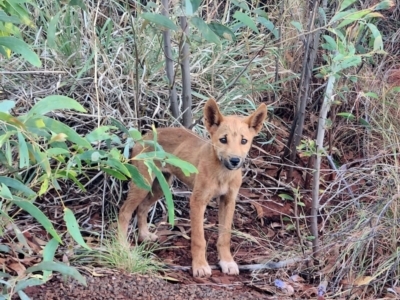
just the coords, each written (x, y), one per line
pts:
(234, 161)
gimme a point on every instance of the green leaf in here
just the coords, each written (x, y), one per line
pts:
(8, 19)
(18, 186)
(24, 283)
(38, 215)
(114, 173)
(166, 190)
(351, 61)
(58, 127)
(245, 19)
(222, 31)
(100, 134)
(119, 166)
(11, 120)
(54, 102)
(135, 134)
(159, 155)
(44, 187)
(297, 25)
(6, 105)
(73, 227)
(79, 3)
(118, 124)
(70, 175)
(341, 15)
(385, 4)
(331, 44)
(269, 25)
(322, 13)
(159, 20)
(358, 15)
(52, 29)
(285, 197)
(241, 4)
(378, 43)
(23, 296)
(186, 167)
(5, 192)
(15, 8)
(372, 95)
(49, 252)
(205, 30)
(365, 123)
(23, 151)
(191, 6)
(347, 115)
(345, 4)
(4, 249)
(56, 151)
(58, 267)
(138, 178)
(20, 47)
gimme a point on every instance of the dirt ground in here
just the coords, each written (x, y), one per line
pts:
(123, 286)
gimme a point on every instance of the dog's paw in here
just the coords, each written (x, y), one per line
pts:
(148, 237)
(201, 271)
(229, 267)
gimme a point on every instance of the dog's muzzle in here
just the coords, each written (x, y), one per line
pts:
(233, 163)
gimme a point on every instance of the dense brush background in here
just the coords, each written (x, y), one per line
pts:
(112, 62)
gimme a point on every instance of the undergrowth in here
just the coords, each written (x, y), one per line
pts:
(111, 61)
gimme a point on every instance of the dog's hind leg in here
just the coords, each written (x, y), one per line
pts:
(143, 209)
(135, 197)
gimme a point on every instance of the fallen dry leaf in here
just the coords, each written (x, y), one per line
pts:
(17, 267)
(363, 280)
(259, 209)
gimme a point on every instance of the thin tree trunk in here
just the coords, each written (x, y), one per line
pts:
(169, 64)
(186, 87)
(304, 85)
(320, 150)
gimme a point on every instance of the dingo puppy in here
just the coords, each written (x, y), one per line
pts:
(219, 164)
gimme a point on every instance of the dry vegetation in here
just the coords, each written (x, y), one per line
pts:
(112, 63)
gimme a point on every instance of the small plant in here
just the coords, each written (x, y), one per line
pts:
(116, 255)
(12, 14)
(38, 151)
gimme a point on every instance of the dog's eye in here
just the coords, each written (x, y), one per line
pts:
(223, 140)
(244, 141)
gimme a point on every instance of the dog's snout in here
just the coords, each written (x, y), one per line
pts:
(235, 161)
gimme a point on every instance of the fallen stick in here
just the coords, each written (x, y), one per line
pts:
(252, 267)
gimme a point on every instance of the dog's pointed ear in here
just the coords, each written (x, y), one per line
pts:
(212, 115)
(257, 118)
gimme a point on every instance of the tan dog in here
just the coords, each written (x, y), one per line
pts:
(219, 165)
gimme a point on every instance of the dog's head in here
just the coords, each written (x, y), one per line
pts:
(232, 136)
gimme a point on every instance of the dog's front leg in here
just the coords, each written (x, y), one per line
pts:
(226, 211)
(198, 203)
